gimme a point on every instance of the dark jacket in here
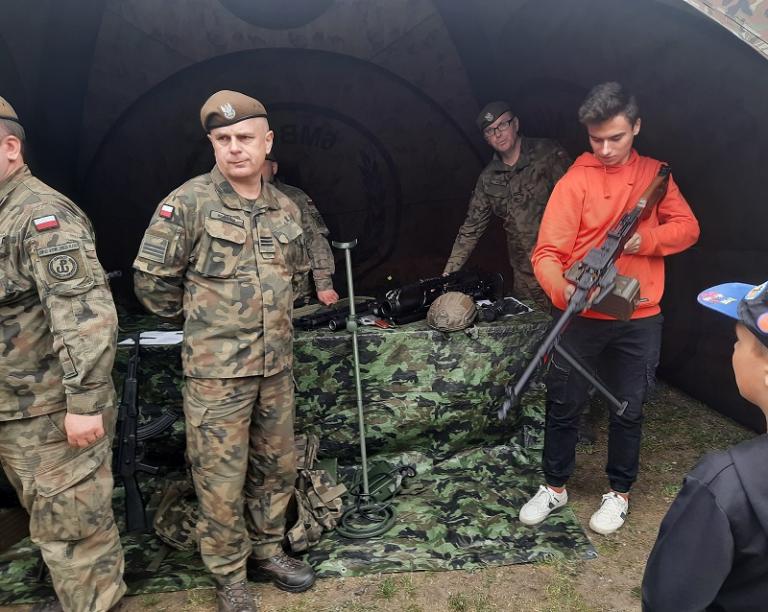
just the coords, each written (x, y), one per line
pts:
(712, 548)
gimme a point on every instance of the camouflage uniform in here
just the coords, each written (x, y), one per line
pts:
(59, 329)
(315, 237)
(226, 264)
(517, 194)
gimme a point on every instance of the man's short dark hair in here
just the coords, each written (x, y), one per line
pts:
(605, 101)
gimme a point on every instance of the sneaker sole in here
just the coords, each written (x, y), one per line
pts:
(541, 520)
(604, 531)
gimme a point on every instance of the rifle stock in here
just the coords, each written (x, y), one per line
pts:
(594, 278)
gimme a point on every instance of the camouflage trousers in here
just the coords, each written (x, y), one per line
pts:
(240, 447)
(526, 287)
(68, 494)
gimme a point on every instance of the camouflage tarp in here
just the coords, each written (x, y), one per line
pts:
(430, 402)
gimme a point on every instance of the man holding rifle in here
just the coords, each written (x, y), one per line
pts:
(586, 203)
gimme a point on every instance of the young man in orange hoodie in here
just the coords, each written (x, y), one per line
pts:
(588, 201)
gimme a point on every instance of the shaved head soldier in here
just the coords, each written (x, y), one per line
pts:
(57, 402)
(514, 186)
(221, 252)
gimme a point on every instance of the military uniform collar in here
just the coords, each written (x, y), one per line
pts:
(523, 160)
(232, 199)
(10, 182)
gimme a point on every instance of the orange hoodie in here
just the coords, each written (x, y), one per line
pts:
(586, 203)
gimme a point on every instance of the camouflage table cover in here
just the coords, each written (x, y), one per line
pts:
(430, 401)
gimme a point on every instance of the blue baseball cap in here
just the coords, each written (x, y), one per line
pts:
(745, 303)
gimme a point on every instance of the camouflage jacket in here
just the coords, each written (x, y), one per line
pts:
(226, 265)
(315, 236)
(59, 324)
(518, 195)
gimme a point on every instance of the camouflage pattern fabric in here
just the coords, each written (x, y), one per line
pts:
(58, 321)
(430, 400)
(316, 239)
(58, 344)
(234, 453)
(228, 263)
(518, 195)
(68, 494)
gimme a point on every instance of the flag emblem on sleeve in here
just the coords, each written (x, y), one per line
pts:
(44, 223)
(166, 211)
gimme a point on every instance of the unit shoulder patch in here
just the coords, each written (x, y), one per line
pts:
(62, 267)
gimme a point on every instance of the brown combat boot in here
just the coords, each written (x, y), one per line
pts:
(235, 597)
(285, 572)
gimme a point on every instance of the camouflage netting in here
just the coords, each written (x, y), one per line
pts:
(430, 402)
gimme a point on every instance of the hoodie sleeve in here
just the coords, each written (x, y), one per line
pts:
(557, 236)
(693, 553)
(677, 227)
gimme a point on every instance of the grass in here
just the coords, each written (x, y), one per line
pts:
(387, 588)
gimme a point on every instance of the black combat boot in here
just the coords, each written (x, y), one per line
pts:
(285, 572)
(235, 597)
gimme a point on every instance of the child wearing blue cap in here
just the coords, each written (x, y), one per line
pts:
(712, 549)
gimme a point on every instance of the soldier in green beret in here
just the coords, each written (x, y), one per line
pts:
(57, 402)
(514, 186)
(221, 253)
(315, 232)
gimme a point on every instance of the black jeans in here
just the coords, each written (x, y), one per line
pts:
(627, 353)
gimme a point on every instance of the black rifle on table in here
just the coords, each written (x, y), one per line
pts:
(333, 317)
(597, 286)
(130, 438)
(411, 302)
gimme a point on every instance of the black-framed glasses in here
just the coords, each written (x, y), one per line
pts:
(499, 129)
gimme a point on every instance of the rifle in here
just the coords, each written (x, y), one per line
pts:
(596, 274)
(129, 442)
(333, 317)
(411, 302)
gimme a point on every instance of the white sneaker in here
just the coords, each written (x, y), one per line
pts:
(610, 515)
(540, 505)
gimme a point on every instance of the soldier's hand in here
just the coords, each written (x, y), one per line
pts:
(83, 429)
(328, 297)
(632, 245)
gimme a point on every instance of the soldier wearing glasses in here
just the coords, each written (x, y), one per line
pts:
(515, 186)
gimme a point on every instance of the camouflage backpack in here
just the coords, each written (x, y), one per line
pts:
(316, 505)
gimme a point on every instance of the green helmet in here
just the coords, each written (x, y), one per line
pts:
(452, 311)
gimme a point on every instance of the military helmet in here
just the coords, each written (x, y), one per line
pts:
(452, 311)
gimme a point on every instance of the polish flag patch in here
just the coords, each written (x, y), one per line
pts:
(166, 211)
(47, 222)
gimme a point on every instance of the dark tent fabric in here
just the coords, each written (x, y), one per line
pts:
(373, 104)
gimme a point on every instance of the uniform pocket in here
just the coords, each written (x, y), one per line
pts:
(290, 236)
(220, 248)
(74, 498)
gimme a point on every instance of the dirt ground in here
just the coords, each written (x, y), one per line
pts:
(677, 433)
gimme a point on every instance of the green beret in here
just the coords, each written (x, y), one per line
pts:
(491, 112)
(7, 112)
(229, 107)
